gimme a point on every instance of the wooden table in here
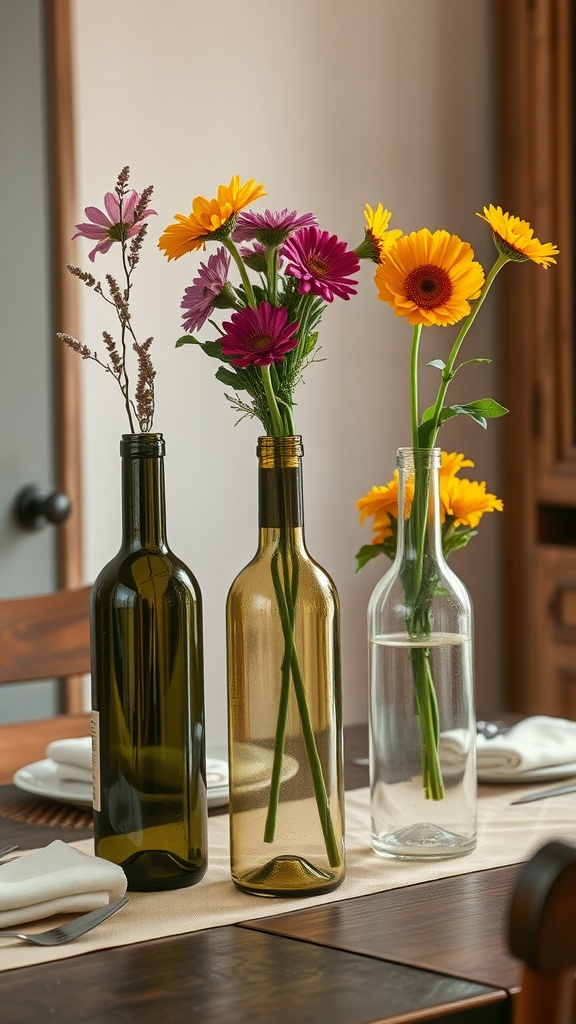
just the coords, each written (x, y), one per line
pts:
(429, 952)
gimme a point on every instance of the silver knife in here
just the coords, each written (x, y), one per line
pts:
(543, 793)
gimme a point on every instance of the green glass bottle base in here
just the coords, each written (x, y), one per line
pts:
(155, 870)
(287, 876)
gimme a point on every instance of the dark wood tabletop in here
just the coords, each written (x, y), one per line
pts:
(429, 952)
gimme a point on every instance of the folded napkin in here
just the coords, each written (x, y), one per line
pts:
(56, 880)
(533, 744)
(73, 762)
(73, 759)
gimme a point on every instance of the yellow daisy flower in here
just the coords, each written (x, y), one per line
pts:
(467, 501)
(451, 464)
(382, 502)
(514, 238)
(377, 239)
(209, 218)
(430, 278)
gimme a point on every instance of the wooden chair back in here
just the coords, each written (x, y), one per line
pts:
(44, 637)
(542, 934)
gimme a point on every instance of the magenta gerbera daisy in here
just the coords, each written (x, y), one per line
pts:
(257, 337)
(322, 263)
(270, 228)
(201, 296)
(110, 227)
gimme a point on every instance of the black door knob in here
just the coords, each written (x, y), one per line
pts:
(36, 506)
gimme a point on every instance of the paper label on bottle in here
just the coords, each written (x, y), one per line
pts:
(95, 733)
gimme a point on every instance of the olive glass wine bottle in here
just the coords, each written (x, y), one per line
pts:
(284, 701)
(147, 692)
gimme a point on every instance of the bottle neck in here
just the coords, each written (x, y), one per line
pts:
(419, 524)
(143, 498)
(280, 495)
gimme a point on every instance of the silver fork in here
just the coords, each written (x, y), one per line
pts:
(72, 930)
(8, 849)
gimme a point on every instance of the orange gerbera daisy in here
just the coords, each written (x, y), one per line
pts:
(430, 278)
(382, 502)
(514, 238)
(377, 239)
(209, 218)
(452, 463)
(467, 501)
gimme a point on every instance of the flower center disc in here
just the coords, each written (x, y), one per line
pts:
(260, 342)
(428, 286)
(318, 268)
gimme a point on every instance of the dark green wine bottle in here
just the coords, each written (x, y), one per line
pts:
(147, 692)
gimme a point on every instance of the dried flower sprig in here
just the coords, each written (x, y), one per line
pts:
(122, 222)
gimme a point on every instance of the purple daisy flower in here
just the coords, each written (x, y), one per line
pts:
(322, 263)
(270, 228)
(200, 297)
(107, 227)
(254, 256)
(257, 337)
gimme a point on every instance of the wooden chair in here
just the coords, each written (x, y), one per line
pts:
(42, 637)
(543, 935)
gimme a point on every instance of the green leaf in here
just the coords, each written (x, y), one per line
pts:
(480, 411)
(425, 428)
(487, 407)
(367, 553)
(231, 379)
(457, 539)
(187, 339)
(309, 344)
(213, 349)
(476, 359)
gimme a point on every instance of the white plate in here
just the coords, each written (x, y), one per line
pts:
(40, 779)
(553, 771)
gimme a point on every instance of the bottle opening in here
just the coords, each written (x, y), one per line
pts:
(141, 446)
(284, 452)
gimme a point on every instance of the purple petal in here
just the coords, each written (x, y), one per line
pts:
(112, 207)
(130, 200)
(97, 216)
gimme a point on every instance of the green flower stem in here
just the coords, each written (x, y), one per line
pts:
(304, 310)
(282, 719)
(414, 383)
(418, 626)
(418, 599)
(288, 610)
(284, 409)
(277, 424)
(448, 372)
(229, 245)
(272, 275)
(287, 620)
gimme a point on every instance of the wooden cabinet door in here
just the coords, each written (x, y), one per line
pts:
(535, 88)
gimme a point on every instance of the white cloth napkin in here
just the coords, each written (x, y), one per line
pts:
(534, 743)
(73, 759)
(56, 880)
(73, 762)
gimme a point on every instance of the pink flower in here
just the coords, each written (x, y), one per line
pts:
(200, 297)
(257, 337)
(322, 263)
(109, 227)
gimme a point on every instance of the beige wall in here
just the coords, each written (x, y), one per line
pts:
(332, 104)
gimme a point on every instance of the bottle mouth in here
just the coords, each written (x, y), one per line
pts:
(408, 458)
(138, 446)
(280, 452)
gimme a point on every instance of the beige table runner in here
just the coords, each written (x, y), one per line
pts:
(507, 834)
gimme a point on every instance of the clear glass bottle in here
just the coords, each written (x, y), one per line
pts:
(147, 692)
(422, 715)
(284, 701)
